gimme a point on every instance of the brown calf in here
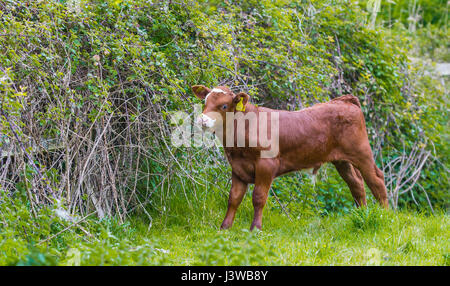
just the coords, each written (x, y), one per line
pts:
(334, 132)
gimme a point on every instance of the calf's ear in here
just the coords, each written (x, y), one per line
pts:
(200, 91)
(245, 97)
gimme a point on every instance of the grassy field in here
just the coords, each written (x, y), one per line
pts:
(363, 237)
(369, 236)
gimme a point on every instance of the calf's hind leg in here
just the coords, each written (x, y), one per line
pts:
(354, 181)
(373, 176)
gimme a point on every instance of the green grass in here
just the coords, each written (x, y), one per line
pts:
(363, 237)
(188, 234)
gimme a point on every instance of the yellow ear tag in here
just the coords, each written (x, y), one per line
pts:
(240, 106)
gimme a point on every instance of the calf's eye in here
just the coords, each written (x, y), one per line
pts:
(224, 106)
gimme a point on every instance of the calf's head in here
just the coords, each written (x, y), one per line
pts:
(218, 101)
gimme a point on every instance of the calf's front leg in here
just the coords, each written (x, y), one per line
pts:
(260, 194)
(237, 192)
(264, 175)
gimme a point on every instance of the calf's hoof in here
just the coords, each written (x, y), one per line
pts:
(225, 225)
(255, 225)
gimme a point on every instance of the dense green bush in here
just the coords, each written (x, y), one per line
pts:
(422, 12)
(87, 92)
(423, 23)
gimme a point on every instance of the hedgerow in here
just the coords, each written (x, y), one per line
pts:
(88, 87)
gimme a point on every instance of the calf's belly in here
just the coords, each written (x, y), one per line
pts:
(298, 160)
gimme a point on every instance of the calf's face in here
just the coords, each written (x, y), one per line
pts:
(218, 101)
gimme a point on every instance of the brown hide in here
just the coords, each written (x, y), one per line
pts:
(334, 132)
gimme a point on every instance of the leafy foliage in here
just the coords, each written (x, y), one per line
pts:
(87, 92)
(118, 69)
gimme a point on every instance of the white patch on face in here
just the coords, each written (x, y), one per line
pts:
(213, 90)
(205, 120)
